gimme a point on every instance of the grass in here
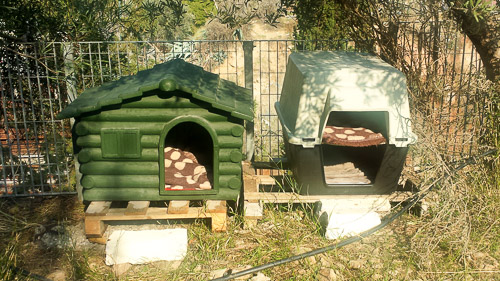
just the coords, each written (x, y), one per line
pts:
(458, 238)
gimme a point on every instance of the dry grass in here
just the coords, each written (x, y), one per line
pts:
(457, 239)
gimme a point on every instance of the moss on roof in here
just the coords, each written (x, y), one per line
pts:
(169, 76)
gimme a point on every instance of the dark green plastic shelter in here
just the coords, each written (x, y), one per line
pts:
(122, 127)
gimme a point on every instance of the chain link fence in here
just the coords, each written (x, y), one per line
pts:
(37, 80)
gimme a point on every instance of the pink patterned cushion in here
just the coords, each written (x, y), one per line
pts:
(358, 137)
(183, 172)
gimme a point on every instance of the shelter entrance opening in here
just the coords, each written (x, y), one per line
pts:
(353, 146)
(188, 158)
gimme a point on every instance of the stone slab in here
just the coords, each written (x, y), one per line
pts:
(144, 246)
(349, 217)
(343, 225)
(355, 205)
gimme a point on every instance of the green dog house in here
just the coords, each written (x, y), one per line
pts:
(141, 137)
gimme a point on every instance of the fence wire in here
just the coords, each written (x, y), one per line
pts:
(37, 80)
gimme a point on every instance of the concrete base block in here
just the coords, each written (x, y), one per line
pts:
(348, 217)
(356, 204)
(341, 225)
(253, 210)
(140, 247)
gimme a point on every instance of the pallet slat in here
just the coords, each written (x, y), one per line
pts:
(137, 208)
(254, 198)
(102, 212)
(98, 208)
(178, 207)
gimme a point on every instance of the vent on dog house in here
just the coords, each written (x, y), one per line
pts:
(345, 119)
(171, 132)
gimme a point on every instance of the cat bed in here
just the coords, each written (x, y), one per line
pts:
(356, 137)
(183, 172)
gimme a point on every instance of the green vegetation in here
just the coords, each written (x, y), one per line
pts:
(457, 239)
(58, 20)
(319, 20)
(201, 10)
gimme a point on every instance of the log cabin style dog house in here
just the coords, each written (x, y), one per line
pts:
(171, 132)
(345, 119)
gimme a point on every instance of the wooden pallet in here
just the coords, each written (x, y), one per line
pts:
(254, 198)
(100, 212)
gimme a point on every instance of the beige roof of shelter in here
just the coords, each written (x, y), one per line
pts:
(317, 83)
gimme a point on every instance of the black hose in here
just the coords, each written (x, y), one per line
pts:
(28, 274)
(413, 200)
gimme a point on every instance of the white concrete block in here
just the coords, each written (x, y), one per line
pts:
(253, 210)
(348, 217)
(356, 204)
(139, 247)
(341, 225)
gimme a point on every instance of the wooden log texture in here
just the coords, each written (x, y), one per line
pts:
(144, 115)
(120, 181)
(161, 101)
(226, 128)
(230, 155)
(227, 168)
(230, 142)
(95, 154)
(119, 168)
(232, 181)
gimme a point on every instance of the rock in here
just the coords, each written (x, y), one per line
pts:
(325, 262)
(327, 274)
(121, 268)
(79, 240)
(356, 264)
(301, 272)
(39, 230)
(260, 277)
(302, 250)
(394, 272)
(217, 273)
(58, 229)
(167, 265)
(53, 240)
(58, 275)
(376, 263)
(484, 261)
(241, 268)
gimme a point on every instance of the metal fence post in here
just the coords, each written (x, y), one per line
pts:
(70, 79)
(248, 62)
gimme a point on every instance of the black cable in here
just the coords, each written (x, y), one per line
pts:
(28, 274)
(413, 200)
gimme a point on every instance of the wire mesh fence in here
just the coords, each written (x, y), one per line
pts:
(37, 80)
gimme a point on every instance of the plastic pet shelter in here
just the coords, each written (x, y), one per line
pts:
(171, 132)
(345, 119)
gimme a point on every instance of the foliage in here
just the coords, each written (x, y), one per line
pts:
(157, 19)
(201, 10)
(317, 20)
(236, 13)
(89, 20)
(8, 259)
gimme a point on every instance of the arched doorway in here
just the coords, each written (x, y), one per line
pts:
(188, 158)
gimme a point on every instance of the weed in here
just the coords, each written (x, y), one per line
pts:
(8, 260)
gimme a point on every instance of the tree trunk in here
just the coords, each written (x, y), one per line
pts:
(484, 33)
